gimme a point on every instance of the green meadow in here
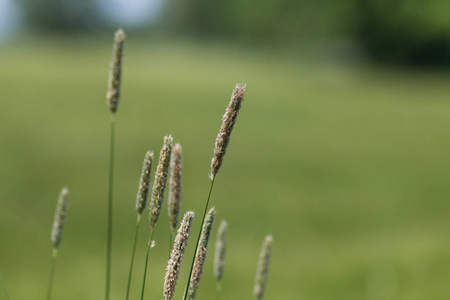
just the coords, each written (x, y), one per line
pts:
(348, 167)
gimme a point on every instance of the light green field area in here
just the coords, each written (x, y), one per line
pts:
(348, 168)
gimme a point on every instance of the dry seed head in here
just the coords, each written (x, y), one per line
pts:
(144, 183)
(115, 75)
(221, 247)
(176, 256)
(159, 184)
(262, 271)
(200, 256)
(60, 217)
(228, 122)
(176, 167)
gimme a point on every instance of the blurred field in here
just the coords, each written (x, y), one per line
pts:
(348, 168)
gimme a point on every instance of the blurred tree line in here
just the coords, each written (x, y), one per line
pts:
(62, 16)
(401, 31)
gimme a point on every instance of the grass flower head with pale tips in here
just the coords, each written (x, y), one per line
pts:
(228, 122)
(176, 257)
(144, 183)
(159, 185)
(115, 75)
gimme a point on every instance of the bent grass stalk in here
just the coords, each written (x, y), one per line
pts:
(113, 97)
(222, 141)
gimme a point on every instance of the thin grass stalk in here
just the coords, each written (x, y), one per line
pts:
(200, 256)
(132, 255)
(110, 208)
(4, 286)
(112, 100)
(218, 289)
(149, 247)
(199, 235)
(221, 145)
(141, 203)
(52, 274)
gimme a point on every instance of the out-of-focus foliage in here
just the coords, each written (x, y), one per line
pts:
(62, 15)
(400, 31)
(403, 31)
(262, 19)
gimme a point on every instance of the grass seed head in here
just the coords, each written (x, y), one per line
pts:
(176, 168)
(159, 184)
(60, 218)
(262, 271)
(228, 122)
(221, 247)
(115, 75)
(144, 183)
(200, 256)
(176, 256)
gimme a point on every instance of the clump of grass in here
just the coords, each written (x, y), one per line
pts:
(167, 160)
(141, 204)
(222, 141)
(176, 169)
(200, 256)
(112, 99)
(176, 257)
(57, 233)
(219, 258)
(159, 186)
(262, 272)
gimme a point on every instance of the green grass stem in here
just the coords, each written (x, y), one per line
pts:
(218, 290)
(110, 208)
(146, 262)
(199, 235)
(132, 255)
(52, 274)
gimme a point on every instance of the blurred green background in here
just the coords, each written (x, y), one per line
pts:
(341, 149)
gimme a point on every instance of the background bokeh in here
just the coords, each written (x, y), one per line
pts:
(341, 150)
